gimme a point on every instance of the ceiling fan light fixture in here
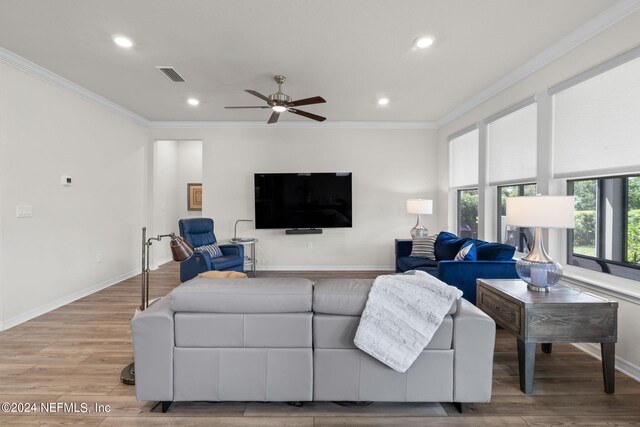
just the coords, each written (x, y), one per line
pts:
(423, 42)
(279, 108)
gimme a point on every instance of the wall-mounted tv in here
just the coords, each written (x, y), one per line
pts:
(303, 200)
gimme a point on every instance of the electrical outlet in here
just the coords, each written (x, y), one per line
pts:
(98, 257)
(309, 245)
(24, 211)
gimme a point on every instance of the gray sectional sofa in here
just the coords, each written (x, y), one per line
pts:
(286, 339)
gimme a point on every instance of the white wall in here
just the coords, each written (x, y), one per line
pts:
(189, 170)
(165, 197)
(617, 39)
(176, 163)
(51, 258)
(388, 167)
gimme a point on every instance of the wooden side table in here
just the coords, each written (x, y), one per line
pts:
(563, 314)
(249, 261)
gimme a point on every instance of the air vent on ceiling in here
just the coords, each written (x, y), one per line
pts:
(171, 73)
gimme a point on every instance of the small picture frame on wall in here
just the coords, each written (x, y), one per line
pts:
(194, 196)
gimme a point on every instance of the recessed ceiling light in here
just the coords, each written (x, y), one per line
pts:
(122, 41)
(383, 101)
(193, 101)
(423, 42)
(279, 108)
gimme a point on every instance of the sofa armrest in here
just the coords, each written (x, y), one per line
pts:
(463, 274)
(474, 335)
(197, 263)
(153, 342)
(403, 248)
(231, 249)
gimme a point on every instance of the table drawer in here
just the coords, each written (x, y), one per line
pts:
(504, 312)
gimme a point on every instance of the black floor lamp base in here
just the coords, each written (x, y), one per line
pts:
(128, 375)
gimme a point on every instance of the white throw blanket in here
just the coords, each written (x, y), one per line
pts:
(402, 314)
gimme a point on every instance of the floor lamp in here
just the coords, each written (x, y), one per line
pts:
(180, 251)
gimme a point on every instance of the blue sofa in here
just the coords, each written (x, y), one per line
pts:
(199, 232)
(495, 261)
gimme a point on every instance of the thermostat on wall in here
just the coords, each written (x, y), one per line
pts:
(65, 180)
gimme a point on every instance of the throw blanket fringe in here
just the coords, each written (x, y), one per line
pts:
(402, 313)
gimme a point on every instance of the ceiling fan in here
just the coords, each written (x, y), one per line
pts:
(280, 102)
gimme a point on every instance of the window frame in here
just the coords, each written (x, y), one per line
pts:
(458, 210)
(619, 241)
(521, 192)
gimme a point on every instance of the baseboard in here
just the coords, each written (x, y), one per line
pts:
(160, 262)
(7, 324)
(622, 365)
(326, 267)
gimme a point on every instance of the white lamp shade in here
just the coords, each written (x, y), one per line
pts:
(419, 206)
(541, 211)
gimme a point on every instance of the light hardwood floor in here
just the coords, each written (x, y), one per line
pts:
(74, 355)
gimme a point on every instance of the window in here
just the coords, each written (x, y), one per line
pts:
(463, 179)
(468, 213)
(595, 122)
(521, 238)
(463, 160)
(606, 236)
(633, 220)
(511, 141)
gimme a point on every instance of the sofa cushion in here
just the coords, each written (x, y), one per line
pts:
(226, 262)
(467, 252)
(272, 330)
(494, 251)
(424, 247)
(341, 296)
(448, 245)
(346, 297)
(262, 295)
(412, 263)
(333, 331)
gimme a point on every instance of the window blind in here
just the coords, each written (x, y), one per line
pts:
(463, 160)
(512, 142)
(596, 129)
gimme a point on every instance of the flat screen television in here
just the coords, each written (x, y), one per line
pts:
(302, 200)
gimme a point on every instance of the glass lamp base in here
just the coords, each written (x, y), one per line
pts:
(419, 233)
(539, 276)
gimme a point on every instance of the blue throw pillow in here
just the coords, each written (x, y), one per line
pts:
(467, 253)
(448, 245)
(494, 251)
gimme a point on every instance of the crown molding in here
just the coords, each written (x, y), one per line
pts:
(620, 10)
(290, 125)
(36, 70)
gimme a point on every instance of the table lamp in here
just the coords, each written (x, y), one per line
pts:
(419, 207)
(537, 269)
(180, 251)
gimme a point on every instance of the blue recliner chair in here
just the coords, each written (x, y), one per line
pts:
(199, 232)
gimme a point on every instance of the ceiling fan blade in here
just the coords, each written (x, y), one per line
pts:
(259, 95)
(308, 101)
(274, 117)
(308, 115)
(266, 106)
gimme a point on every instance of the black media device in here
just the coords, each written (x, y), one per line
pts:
(305, 202)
